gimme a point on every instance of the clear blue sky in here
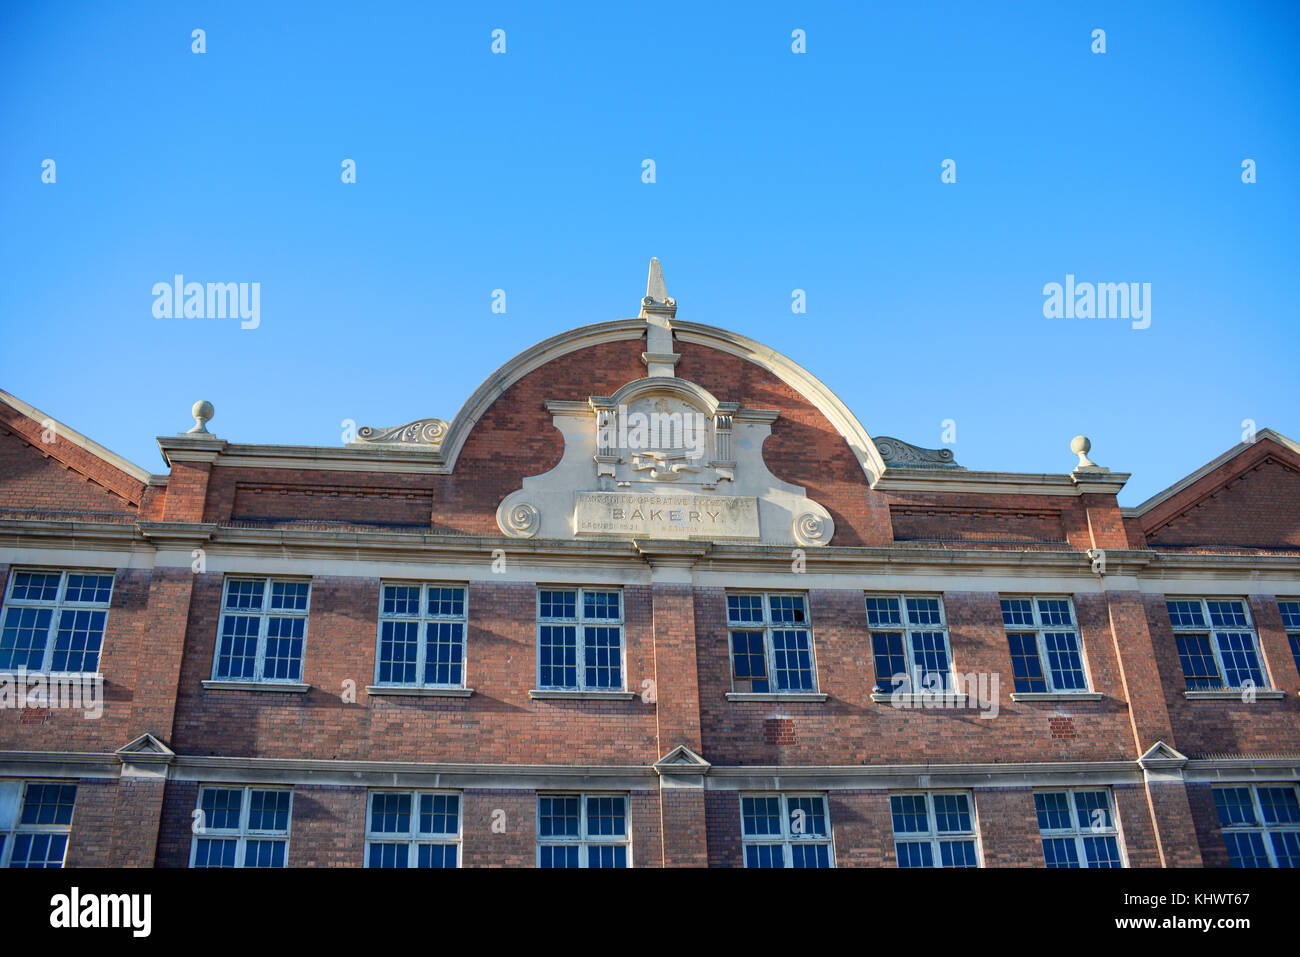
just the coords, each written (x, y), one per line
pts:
(775, 171)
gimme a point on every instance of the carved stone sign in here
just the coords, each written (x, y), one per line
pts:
(666, 516)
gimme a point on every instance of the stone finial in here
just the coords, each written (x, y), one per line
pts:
(654, 286)
(1080, 446)
(658, 311)
(656, 299)
(202, 412)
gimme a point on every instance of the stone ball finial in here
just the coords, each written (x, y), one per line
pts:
(202, 412)
(1080, 446)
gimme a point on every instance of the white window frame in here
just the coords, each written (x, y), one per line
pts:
(906, 628)
(767, 626)
(1040, 630)
(243, 834)
(787, 838)
(414, 839)
(265, 614)
(423, 620)
(1260, 827)
(1080, 830)
(584, 839)
(580, 624)
(932, 836)
(57, 607)
(1212, 633)
(13, 798)
(1292, 630)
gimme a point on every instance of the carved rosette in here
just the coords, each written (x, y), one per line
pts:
(519, 521)
(419, 432)
(813, 529)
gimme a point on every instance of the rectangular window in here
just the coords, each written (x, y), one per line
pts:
(1291, 622)
(909, 643)
(771, 644)
(1261, 824)
(785, 830)
(582, 830)
(1046, 654)
(1078, 828)
(413, 829)
(241, 827)
(1216, 644)
(580, 639)
(934, 829)
(35, 818)
(421, 636)
(53, 621)
(263, 630)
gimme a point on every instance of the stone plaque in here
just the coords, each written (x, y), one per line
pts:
(667, 516)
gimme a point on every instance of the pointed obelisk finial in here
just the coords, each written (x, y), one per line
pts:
(657, 310)
(656, 299)
(654, 286)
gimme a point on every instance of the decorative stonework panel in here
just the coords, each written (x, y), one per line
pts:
(421, 432)
(663, 458)
(666, 516)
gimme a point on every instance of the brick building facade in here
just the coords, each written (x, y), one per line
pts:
(653, 598)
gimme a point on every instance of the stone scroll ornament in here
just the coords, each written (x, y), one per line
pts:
(521, 521)
(812, 529)
(897, 452)
(419, 432)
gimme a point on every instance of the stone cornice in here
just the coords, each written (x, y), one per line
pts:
(724, 557)
(951, 481)
(773, 777)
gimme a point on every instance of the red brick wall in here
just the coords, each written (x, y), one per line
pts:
(850, 728)
(499, 724)
(1251, 501)
(1009, 827)
(33, 480)
(1228, 726)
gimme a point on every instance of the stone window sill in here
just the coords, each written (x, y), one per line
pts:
(1056, 696)
(923, 699)
(776, 696)
(282, 687)
(581, 695)
(1235, 694)
(419, 692)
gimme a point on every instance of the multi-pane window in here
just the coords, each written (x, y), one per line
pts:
(421, 636)
(413, 829)
(1261, 824)
(580, 639)
(785, 830)
(35, 818)
(53, 621)
(263, 629)
(582, 830)
(1291, 621)
(1046, 655)
(1077, 828)
(934, 829)
(909, 642)
(771, 643)
(241, 827)
(1216, 644)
